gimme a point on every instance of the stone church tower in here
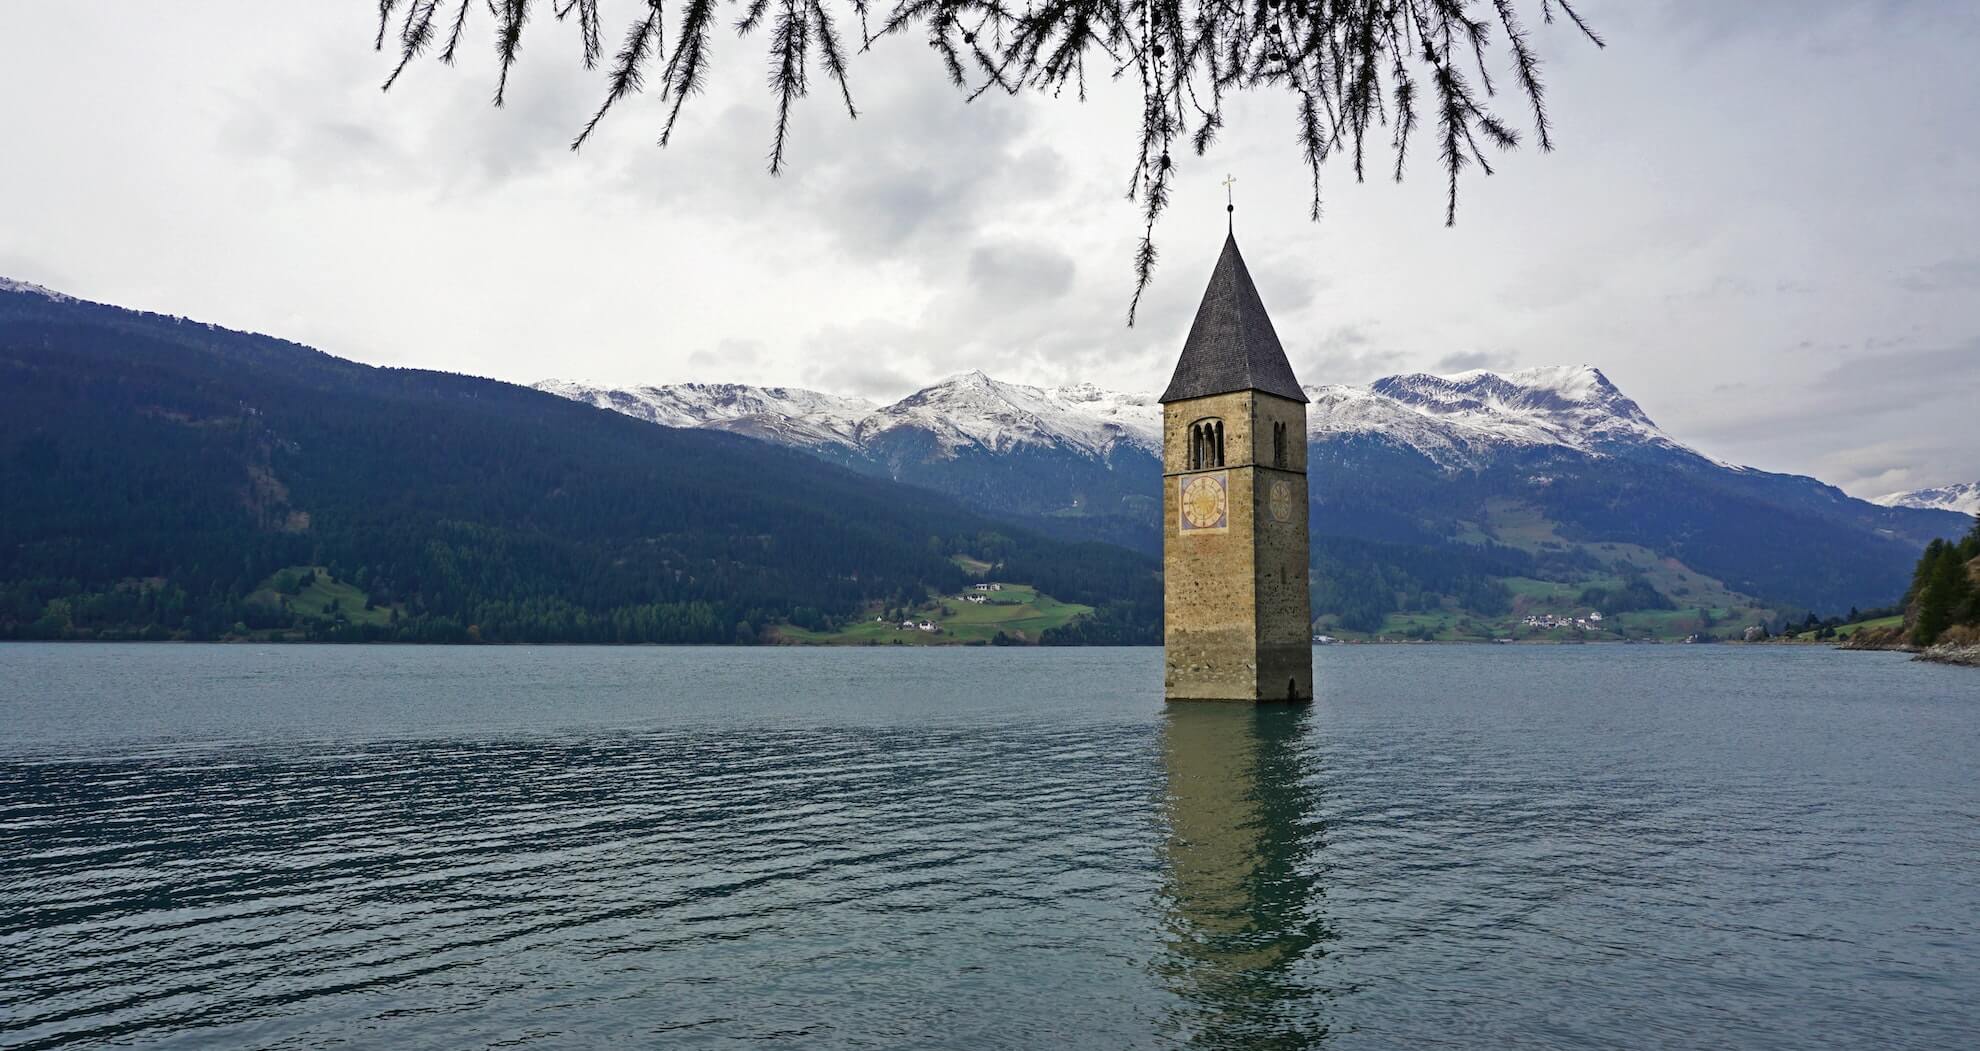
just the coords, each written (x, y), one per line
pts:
(1234, 544)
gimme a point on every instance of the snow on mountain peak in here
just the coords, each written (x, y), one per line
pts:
(1963, 497)
(1570, 382)
(1449, 418)
(30, 288)
(1553, 389)
(971, 409)
(1456, 421)
(792, 415)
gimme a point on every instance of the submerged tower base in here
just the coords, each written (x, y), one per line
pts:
(1237, 616)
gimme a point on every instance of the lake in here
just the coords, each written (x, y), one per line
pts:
(1575, 846)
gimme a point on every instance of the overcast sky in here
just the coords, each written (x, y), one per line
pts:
(1762, 220)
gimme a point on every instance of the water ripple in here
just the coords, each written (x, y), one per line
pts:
(1406, 864)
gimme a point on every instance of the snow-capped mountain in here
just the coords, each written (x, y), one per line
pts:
(1461, 421)
(1963, 497)
(789, 415)
(965, 412)
(8, 284)
(974, 411)
(1556, 459)
(1455, 421)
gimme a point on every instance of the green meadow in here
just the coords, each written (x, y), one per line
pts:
(312, 592)
(1020, 612)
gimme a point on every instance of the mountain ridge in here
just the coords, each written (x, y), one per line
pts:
(993, 414)
(1444, 418)
(1452, 507)
(1963, 497)
(172, 479)
(1548, 459)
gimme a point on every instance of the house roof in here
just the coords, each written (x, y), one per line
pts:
(1231, 345)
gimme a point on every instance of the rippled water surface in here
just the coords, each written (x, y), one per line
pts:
(1457, 846)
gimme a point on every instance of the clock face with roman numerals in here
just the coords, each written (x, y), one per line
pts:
(1203, 501)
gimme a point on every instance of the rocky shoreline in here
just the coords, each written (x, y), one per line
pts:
(1962, 653)
(1968, 655)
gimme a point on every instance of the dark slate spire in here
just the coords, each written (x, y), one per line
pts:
(1231, 345)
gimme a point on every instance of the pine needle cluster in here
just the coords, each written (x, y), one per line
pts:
(1366, 75)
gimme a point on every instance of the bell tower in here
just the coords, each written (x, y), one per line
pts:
(1238, 622)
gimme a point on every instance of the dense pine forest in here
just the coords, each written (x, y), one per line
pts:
(168, 479)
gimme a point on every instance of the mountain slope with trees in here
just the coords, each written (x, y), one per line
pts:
(162, 475)
(1941, 607)
(1426, 490)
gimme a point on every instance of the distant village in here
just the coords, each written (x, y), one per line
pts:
(1592, 621)
(978, 594)
(1548, 621)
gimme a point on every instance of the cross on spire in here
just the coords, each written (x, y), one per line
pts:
(1230, 205)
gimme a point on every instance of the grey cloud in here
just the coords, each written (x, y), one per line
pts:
(731, 354)
(1905, 381)
(1346, 354)
(1857, 387)
(872, 359)
(282, 191)
(35, 271)
(1880, 467)
(1946, 275)
(324, 119)
(1724, 286)
(915, 177)
(1732, 25)
(1019, 275)
(872, 380)
(1286, 283)
(1893, 418)
(1466, 360)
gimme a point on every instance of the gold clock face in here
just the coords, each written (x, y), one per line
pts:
(1281, 500)
(1203, 502)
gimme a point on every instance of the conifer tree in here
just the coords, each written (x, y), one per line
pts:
(1969, 549)
(1944, 597)
(1352, 67)
(1923, 571)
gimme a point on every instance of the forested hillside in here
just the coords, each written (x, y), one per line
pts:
(1460, 506)
(1944, 600)
(1942, 606)
(165, 478)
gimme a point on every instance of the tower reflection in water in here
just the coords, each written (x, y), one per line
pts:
(1245, 915)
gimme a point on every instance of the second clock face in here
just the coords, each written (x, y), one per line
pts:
(1203, 501)
(1280, 500)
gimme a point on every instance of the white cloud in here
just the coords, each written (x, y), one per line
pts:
(1760, 282)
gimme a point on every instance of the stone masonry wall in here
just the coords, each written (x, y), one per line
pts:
(1236, 606)
(1209, 603)
(1284, 617)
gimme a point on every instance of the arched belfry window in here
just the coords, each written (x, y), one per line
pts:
(1206, 444)
(1279, 445)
